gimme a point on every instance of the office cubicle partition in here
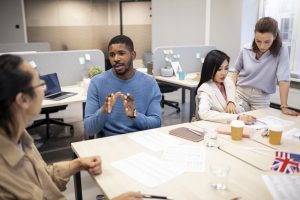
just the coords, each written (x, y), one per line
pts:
(190, 57)
(70, 66)
(25, 47)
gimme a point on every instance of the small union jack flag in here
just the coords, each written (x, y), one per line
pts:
(286, 162)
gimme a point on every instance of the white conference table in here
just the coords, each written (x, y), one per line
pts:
(244, 179)
(257, 151)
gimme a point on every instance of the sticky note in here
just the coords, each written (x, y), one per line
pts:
(81, 60)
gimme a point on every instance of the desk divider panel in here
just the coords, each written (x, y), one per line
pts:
(24, 47)
(190, 57)
(70, 66)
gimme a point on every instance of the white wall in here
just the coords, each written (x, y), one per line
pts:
(249, 17)
(225, 27)
(136, 13)
(11, 14)
(178, 22)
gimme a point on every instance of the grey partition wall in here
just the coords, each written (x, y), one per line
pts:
(190, 57)
(23, 47)
(70, 66)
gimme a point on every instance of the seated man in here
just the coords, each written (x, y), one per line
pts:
(122, 100)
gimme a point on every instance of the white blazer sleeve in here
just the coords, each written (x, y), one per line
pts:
(207, 105)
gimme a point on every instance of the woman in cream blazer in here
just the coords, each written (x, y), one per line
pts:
(216, 97)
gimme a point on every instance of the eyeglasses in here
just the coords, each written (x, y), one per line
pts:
(42, 84)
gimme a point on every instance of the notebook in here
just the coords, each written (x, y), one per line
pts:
(53, 91)
(188, 134)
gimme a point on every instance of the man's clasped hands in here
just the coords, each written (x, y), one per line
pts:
(128, 103)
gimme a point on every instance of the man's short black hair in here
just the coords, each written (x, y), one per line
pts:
(122, 39)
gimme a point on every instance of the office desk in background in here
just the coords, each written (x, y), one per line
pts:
(188, 84)
(80, 97)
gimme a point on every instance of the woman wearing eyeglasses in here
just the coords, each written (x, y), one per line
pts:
(216, 97)
(24, 175)
(260, 66)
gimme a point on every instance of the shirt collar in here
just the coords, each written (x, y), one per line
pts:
(10, 151)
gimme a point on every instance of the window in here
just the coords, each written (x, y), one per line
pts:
(284, 11)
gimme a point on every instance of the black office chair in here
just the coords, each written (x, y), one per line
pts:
(165, 88)
(47, 121)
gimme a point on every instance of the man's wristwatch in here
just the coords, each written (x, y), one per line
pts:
(134, 114)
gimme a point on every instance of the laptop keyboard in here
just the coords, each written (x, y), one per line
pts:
(61, 95)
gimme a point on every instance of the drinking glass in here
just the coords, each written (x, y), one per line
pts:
(211, 137)
(219, 175)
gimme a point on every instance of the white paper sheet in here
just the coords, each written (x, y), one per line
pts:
(283, 186)
(259, 125)
(293, 134)
(154, 140)
(270, 120)
(186, 157)
(147, 169)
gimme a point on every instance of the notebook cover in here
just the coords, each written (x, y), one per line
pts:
(187, 134)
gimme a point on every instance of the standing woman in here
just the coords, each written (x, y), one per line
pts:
(260, 66)
(24, 174)
(216, 97)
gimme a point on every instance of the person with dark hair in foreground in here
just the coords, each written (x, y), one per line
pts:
(216, 97)
(122, 100)
(24, 174)
(260, 66)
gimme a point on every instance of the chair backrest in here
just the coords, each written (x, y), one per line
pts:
(164, 88)
(196, 116)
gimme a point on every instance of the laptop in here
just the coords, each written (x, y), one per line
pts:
(53, 88)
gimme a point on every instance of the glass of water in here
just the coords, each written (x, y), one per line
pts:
(211, 137)
(219, 176)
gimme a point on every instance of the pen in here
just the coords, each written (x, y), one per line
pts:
(259, 121)
(149, 196)
(196, 132)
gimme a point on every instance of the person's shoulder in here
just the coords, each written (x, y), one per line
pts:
(205, 87)
(102, 76)
(144, 76)
(247, 46)
(283, 49)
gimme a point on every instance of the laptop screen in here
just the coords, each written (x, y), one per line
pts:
(52, 83)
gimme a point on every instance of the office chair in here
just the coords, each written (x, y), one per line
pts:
(165, 88)
(47, 121)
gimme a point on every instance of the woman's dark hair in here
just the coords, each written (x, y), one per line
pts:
(122, 39)
(12, 81)
(268, 25)
(212, 63)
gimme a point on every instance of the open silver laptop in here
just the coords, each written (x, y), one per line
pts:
(53, 91)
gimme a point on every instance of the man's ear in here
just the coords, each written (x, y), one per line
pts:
(22, 100)
(133, 54)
